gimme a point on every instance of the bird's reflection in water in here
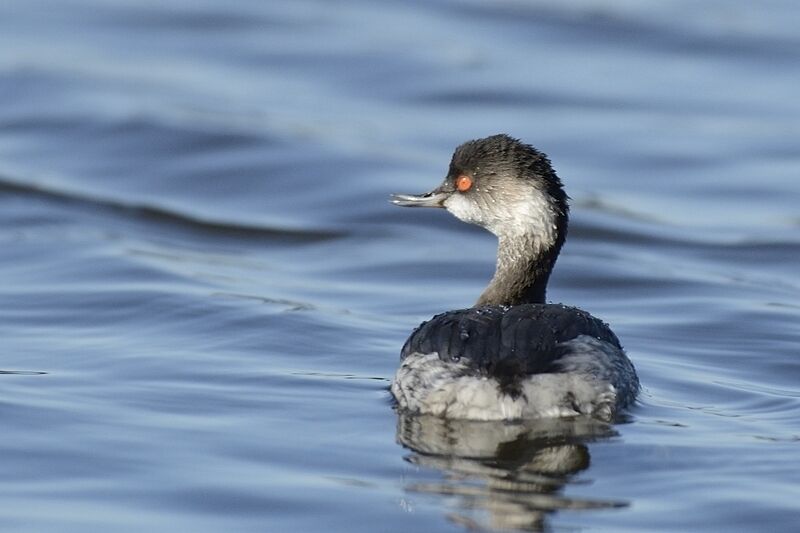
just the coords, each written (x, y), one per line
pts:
(502, 475)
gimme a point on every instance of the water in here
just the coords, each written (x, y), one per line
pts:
(206, 290)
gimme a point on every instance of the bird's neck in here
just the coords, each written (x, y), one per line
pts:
(523, 269)
(530, 237)
(525, 259)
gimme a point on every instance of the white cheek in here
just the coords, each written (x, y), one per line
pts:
(463, 209)
(526, 213)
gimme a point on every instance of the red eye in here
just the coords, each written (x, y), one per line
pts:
(463, 183)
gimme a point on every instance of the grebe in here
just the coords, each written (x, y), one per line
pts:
(511, 356)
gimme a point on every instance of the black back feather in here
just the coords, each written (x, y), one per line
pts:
(505, 343)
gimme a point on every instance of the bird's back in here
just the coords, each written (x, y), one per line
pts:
(506, 343)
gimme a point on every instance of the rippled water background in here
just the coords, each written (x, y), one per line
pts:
(205, 289)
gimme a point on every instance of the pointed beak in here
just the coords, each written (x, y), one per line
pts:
(435, 198)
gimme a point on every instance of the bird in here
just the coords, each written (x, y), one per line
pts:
(511, 356)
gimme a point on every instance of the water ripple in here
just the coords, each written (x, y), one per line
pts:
(169, 217)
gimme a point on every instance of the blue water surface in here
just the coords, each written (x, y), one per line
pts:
(206, 290)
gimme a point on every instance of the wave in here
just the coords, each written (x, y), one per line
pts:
(168, 216)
